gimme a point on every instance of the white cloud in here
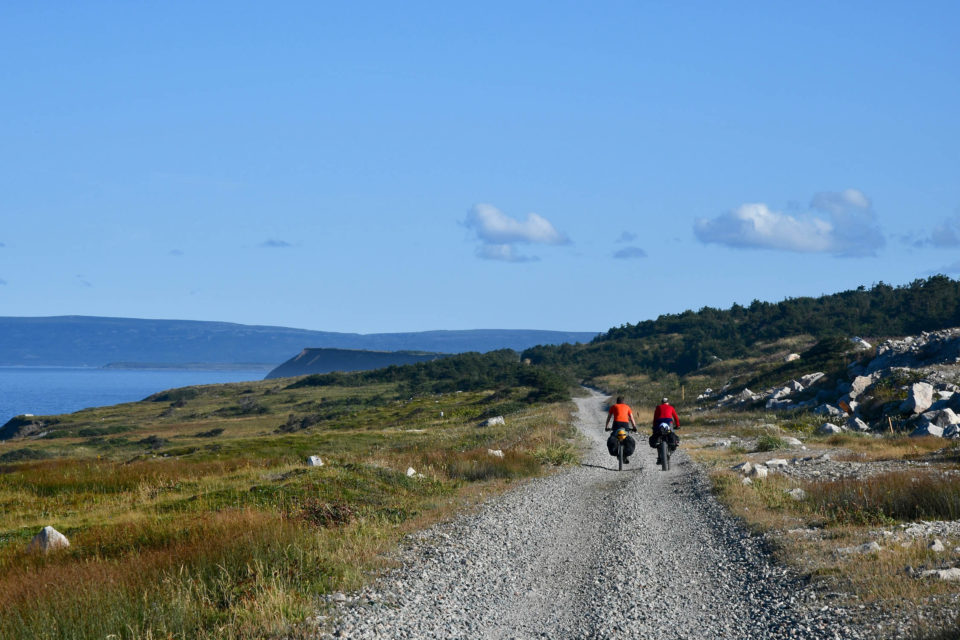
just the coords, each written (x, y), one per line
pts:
(503, 253)
(494, 227)
(627, 236)
(628, 253)
(849, 229)
(755, 226)
(498, 233)
(841, 201)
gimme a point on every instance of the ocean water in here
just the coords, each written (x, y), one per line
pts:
(47, 391)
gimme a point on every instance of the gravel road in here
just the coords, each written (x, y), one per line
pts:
(592, 553)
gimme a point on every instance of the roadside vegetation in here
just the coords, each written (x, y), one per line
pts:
(193, 514)
(921, 484)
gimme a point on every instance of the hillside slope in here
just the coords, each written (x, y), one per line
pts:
(311, 361)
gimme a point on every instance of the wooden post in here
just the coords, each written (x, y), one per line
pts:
(890, 423)
(683, 392)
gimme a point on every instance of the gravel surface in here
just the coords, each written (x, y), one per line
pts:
(592, 553)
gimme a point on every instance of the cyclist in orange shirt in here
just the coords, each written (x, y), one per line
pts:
(622, 416)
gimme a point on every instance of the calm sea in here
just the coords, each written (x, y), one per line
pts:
(43, 391)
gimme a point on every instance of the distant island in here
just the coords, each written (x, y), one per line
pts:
(311, 361)
(88, 341)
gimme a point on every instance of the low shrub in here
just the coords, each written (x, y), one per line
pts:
(768, 442)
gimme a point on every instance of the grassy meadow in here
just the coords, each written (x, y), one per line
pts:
(193, 514)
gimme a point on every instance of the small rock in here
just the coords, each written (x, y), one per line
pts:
(949, 575)
(495, 452)
(793, 442)
(759, 471)
(744, 467)
(777, 463)
(490, 422)
(411, 472)
(797, 494)
(870, 547)
(927, 429)
(936, 546)
(314, 461)
(792, 357)
(828, 428)
(49, 539)
(746, 482)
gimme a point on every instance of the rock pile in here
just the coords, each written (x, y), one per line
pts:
(911, 381)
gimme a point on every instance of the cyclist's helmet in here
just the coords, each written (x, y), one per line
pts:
(664, 401)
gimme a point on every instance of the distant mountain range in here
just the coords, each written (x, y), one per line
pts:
(87, 341)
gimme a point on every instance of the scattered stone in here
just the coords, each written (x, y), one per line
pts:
(793, 442)
(948, 575)
(777, 463)
(314, 461)
(411, 472)
(936, 546)
(862, 549)
(797, 494)
(860, 384)
(759, 471)
(828, 428)
(746, 482)
(490, 422)
(792, 357)
(495, 452)
(942, 417)
(49, 539)
(744, 467)
(861, 343)
(856, 424)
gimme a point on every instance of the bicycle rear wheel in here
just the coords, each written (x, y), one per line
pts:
(664, 454)
(620, 456)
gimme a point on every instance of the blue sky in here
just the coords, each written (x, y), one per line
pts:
(388, 166)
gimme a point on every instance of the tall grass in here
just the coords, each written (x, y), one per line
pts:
(880, 499)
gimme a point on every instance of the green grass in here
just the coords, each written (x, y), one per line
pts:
(175, 536)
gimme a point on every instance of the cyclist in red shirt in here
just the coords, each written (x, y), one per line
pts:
(665, 413)
(622, 416)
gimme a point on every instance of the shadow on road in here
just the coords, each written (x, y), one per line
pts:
(614, 469)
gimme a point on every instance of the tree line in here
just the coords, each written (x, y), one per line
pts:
(684, 342)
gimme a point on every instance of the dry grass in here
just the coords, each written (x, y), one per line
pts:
(239, 540)
(847, 513)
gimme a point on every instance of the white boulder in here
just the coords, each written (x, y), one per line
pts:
(797, 494)
(830, 410)
(860, 384)
(919, 399)
(314, 461)
(856, 424)
(936, 546)
(828, 428)
(793, 442)
(927, 429)
(411, 472)
(493, 421)
(746, 481)
(49, 539)
(942, 417)
(759, 471)
(792, 357)
(495, 452)
(777, 463)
